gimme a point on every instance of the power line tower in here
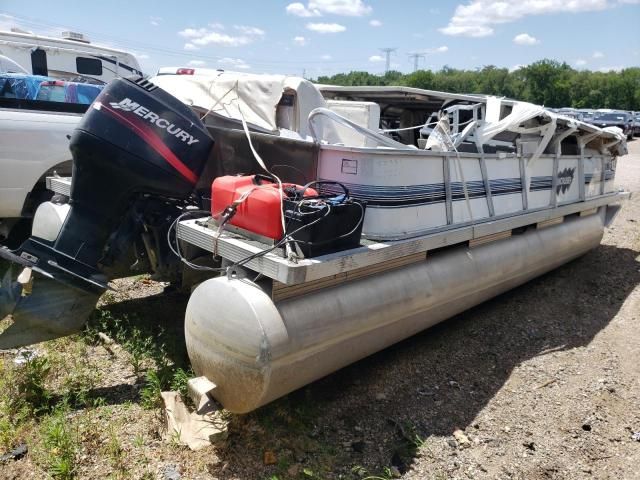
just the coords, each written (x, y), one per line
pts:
(388, 52)
(416, 58)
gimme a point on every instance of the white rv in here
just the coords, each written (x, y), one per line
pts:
(71, 57)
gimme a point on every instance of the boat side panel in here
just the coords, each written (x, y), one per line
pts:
(567, 182)
(404, 193)
(472, 177)
(540, 182)
(592, 176)
(506, 185)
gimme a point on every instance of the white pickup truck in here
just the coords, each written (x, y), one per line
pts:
(37, 117)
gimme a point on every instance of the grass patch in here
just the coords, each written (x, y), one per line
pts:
(59, 445)
(115, 453)
(31, 389)
(15, 413)
(153, 354)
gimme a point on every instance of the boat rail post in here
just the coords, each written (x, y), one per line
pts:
(582, 143)
(581, 174)
(523, 183)
(487, 185)
(603, 173)
(448, 199)
(553, 198)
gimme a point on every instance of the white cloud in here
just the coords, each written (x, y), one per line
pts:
(467, 30)
(317, 8)
(525, 39)
(376, 58)
(326, 27)
(326, 57)
(192, 32)
(222, 39)
(216, 26)
(299, 10)
(300, 41)
(598, 55)
(155, 21)
(204, 36)
(441, 49)
(375, 23)
(196, 63)
(234, 63)
(580, 62)
(190, 47)
(515, 67)
(249, 30)
(141, 56)
(476, 18)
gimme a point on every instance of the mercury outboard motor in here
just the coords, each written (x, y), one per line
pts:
(138, 153)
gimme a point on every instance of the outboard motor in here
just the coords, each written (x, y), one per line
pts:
(138, 153)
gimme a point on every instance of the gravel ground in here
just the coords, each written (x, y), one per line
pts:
(539, 383)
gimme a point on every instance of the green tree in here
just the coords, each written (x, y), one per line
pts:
(546, 82)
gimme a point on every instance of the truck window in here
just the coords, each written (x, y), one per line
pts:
(88, 66)
(39, 62)
(51, 92)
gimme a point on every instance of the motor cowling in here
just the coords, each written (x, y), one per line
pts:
(135, 140)
(136, 148)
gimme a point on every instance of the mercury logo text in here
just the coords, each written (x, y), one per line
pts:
(128, 105)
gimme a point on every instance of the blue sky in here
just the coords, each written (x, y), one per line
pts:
(328, 36)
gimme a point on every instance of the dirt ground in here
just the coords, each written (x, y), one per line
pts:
(542, 383)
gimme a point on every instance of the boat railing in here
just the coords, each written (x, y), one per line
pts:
(377, 137)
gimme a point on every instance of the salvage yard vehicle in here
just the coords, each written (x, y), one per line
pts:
(70, 57)
(636, 124)
(46, 86)
(37, 116)
(318, 224)
(615, 118)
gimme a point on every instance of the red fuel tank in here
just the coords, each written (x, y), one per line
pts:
(261, 211)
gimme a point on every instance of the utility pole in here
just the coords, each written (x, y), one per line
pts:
(388, 52)
(416, 57)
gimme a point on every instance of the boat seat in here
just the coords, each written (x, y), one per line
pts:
(365, 114)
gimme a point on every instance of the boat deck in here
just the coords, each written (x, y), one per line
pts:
(372, 255)
(235, 247)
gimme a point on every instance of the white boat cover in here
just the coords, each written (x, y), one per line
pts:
(234, 94)
(521, 112)
(256, 98)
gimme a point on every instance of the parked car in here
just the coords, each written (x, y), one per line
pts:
(37, 116)
(636, 124)
(618, 119)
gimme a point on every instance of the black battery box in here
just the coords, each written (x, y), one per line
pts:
(325, 223)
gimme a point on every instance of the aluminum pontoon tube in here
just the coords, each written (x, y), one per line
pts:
(256, 350)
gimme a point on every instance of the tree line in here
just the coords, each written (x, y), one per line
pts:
(545, 82)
